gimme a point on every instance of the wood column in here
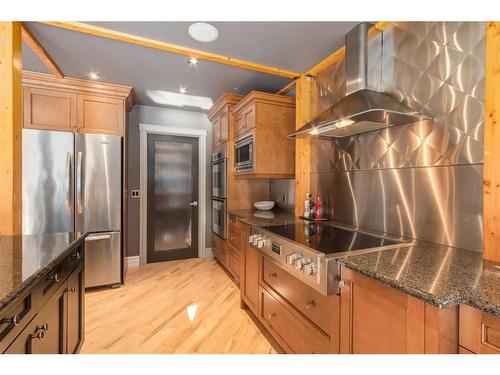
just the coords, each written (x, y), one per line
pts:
(491, 179)
(10, 128)
(303, 96)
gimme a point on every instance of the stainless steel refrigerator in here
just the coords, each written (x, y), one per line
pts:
(72, 182)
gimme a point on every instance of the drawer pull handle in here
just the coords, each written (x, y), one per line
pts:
(271, 315)
(40, 332)
(272, 275)
(310, 304)
(14, 320)
(71, 290)
(56, 278)
(77, 255)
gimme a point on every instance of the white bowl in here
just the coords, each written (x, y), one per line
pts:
(264, 205)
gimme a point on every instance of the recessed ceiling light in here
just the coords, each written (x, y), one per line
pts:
(203, 32)
(183, 90)
(193, 60)
(94, 76)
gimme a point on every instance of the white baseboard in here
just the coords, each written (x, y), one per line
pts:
(209, 253)
(133, 262)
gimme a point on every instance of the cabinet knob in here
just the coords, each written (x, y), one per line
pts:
(77, 255)
(40, 332)
(14, 320)
(72, 290)
(309, 304)
(56, 277)
(271, 315)
(272, 275)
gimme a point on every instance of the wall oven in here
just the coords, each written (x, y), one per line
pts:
(243, 153)
(219, 174)
(219, 217)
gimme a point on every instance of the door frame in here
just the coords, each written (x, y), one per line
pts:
(201, 134)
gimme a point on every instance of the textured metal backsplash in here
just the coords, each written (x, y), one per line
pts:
(436, 68)
(413, 179)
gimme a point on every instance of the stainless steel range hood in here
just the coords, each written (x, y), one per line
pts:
(361, 110)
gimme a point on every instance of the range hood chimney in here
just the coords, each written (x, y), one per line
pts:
(362, 109)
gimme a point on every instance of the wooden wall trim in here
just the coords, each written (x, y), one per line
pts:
(169, 47)
(303, 102)
(491, 182)
(41, 53)
(10, 128)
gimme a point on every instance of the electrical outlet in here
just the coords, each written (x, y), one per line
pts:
(135, 193)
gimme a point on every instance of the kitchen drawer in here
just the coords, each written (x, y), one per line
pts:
(74, 259)
(315, 306)
(296, 334)
(234, 238)
(13, 321)
(234, 221)
(234, 263)
(219, 248)
(479, 331)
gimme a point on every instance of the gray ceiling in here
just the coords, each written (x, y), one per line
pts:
(293, 46)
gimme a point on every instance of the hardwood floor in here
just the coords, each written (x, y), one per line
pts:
(185, 306)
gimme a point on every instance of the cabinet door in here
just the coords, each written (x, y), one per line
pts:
(377, 319)
(75, 315)
(224, 127)
(249, 282)
(216, 133)
(249, 119)
(479, 331)
(100, 115)
(46, 332)
(49, 109)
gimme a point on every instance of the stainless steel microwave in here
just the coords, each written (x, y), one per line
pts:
(243, 153)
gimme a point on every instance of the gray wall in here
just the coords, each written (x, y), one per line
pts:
(422, 180)
(166, 117)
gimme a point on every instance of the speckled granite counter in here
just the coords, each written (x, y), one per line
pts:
(440, 275)
(24, 260)
(263, 218)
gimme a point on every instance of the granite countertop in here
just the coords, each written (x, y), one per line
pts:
(25, 259)
(440, 275)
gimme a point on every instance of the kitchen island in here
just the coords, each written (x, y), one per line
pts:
(41, 293)
(418, 293)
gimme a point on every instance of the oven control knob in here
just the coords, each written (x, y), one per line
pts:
(260, 243)
(309, 269)
(290, 258)
(299, 263)
(255, 239)
(250, 238)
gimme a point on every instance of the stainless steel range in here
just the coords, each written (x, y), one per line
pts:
(310, 251)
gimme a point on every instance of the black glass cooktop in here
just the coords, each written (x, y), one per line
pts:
(327, 238)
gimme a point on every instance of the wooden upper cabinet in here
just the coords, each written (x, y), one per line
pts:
(271, 118)
(74, 105)
(48, 109)
(219, 117)
(101, 115)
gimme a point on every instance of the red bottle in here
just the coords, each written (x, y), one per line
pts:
(318, 212)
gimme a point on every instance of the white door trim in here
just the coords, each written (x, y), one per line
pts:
(201, 134)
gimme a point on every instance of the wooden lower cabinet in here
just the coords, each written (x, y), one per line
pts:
(479, 331)
(58, 325)
(219, 249)
(375, 318)
(249, 278)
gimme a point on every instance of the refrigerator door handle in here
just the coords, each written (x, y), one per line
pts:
(68, 171)
(79, 200)
(97, 238)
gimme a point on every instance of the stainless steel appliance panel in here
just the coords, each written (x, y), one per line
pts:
(219, 172)
(440, 204)
(219, 217)
(48, 198)
(102, 259)
(243, 153)
(98, 182)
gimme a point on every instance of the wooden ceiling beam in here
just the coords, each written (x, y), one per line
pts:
(169, 47)
(41, 53)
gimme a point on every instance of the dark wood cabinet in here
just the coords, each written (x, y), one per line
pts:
(75, 309)
(58, 323)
